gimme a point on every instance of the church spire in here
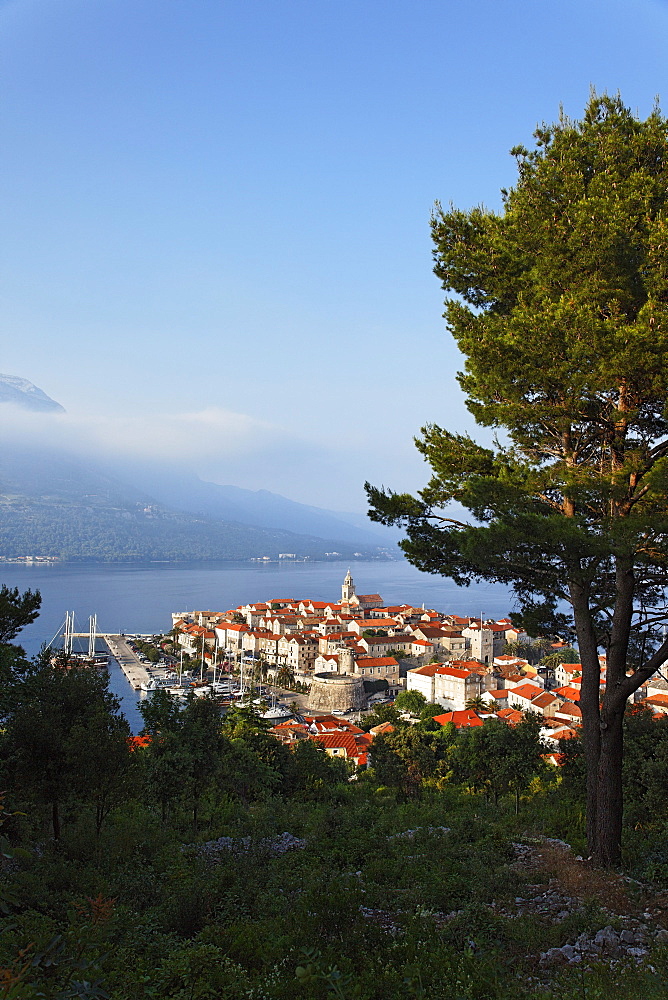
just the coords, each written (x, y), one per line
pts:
(348, 589)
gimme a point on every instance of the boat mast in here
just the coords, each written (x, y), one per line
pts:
(92, 636)
(69, 630)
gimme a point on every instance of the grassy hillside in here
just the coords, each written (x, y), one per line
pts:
(319, 887)
(379, 902)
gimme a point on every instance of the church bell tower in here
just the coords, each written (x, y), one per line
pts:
(348, 589)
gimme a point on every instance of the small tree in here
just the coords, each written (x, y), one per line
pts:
(566, 655)
(477, 704)
(201, 745)
(397, 654)
(312, 770)
(380, 714)
(428, 712)
(67, 740)
(410, 701)
(16, 611)
(183, 761)
(498, 758)
(101, 759)
(285, 678)
(523, 650)
(408, 757)
(161, 713)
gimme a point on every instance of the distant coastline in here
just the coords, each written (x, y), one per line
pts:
(31, 560)
(327, 557)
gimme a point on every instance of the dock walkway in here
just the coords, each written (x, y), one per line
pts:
(136, 672)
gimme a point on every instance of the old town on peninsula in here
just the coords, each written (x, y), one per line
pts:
(331, 661)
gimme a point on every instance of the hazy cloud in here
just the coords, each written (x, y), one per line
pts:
(220, 446)
(191, 437)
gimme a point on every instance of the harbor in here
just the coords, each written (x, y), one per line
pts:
(117, 644)
(144, 677)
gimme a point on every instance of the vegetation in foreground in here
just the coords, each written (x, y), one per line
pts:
(402, 883)
(209, 861)
(387, 897)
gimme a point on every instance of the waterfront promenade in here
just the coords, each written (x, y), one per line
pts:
(136, 672)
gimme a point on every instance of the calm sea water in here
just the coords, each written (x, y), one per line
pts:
(141, 597)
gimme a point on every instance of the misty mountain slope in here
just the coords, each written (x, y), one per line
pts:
(258, 507)
(59, 477)
(57, 505)
(20, 392)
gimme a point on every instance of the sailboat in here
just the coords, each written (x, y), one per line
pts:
(70, 657)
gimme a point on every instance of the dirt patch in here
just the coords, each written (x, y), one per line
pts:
(553, 863)
(560, 884)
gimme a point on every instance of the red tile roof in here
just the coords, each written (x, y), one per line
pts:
(428, 670)
(383, 727)
(460, 720)
(527, 691)
(345, 741)
(510, 715)
(544, 700)
(569, 710)
(657, 699)
(376, 661)
(454, 672)
(569, 693)
(138, 742)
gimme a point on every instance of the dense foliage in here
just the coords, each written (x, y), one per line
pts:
(357, 906)
(394, 885)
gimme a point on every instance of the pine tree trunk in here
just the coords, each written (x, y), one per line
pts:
(602, 728)
(589, 706)
(607, 847)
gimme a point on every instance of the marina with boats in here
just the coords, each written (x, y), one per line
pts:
(167, 673)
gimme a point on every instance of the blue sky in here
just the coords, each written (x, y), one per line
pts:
(216, 214)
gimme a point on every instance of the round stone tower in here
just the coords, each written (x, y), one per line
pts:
(340, 692)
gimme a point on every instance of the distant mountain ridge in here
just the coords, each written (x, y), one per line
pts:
(56, 505)
(23, 393)
(260, 508)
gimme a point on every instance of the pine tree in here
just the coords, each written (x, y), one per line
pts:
(559, 304)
